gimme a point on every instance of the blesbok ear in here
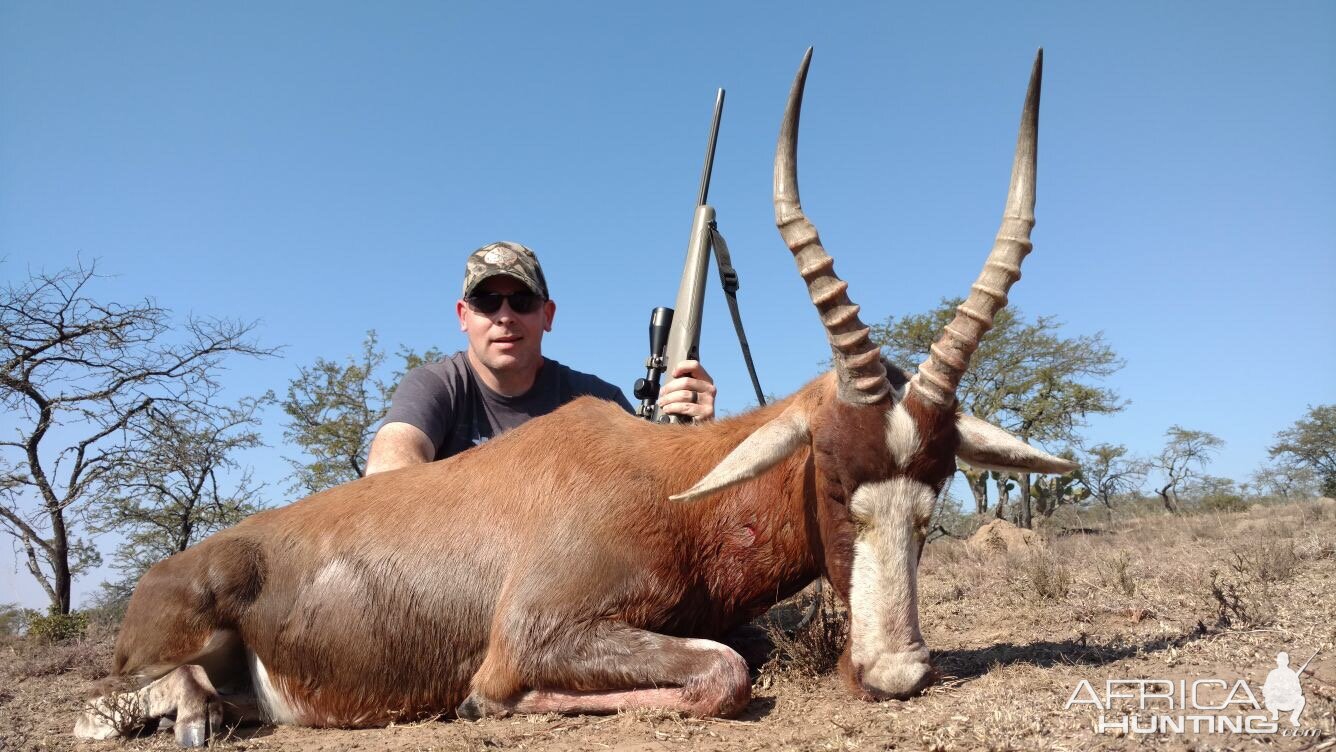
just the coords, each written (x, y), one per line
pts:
(757, 453)
(987, 447)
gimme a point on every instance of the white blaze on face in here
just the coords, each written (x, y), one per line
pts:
(886, 646)
(902, 436)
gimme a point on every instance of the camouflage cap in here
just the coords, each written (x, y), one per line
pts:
(508, 260)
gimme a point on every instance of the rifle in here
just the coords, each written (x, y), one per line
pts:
(1300, 672)
(674, 333)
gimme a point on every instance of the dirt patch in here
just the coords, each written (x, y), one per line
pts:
(1150, 599)
(1002, 536)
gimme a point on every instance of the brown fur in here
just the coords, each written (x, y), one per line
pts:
(935, 462)
(547, 569)
(400, 594)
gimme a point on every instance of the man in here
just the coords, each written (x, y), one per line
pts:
(502, 379)
(1282, 691)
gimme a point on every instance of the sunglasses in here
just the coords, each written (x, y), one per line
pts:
(490, 302)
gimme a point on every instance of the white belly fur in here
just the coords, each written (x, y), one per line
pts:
(272, 702)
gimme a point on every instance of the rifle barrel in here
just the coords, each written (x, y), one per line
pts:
(709, 150)
(1310, 660)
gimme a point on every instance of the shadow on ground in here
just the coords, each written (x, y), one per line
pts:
(975, 662)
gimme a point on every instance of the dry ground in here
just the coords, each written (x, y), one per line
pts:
(1203, 596)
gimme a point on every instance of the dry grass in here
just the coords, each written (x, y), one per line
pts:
(1145, 595)
(1044, 575)
(808, 636)
(88, 657)
(1115, 573)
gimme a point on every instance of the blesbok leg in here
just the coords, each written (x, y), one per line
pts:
(605, 668)
(185, 694)
(177, 651)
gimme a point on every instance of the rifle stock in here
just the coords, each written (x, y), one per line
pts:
(684, 335)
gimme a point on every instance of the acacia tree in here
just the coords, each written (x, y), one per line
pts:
(1284, 479)
(1185, 453)
(1311, 443)
(1205, 487)
(333, 409)
(183, 483)
(1025, 377)
(1107, 471)
(76, 375)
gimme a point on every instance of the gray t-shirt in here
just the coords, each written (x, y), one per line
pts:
(448, 402)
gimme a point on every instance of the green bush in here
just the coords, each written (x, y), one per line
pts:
(55, 626)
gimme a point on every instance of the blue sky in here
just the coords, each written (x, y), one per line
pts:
(324, 168)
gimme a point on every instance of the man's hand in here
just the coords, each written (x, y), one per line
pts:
(690, 392)
(398, 445)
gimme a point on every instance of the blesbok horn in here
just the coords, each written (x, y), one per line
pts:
(949, 356)
(862, 377)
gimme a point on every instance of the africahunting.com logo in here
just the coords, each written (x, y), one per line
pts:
(1198, 706)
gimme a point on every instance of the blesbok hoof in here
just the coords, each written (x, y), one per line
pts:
(475, 707)
(191, 736)
(195, 730)
(468, 709)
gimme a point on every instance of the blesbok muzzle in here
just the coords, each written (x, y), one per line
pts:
(894, 676)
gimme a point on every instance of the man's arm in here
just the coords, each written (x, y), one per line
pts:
(398, 445)
(421, 410)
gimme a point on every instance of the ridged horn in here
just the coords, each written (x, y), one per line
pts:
(862, 378)
(940, 374)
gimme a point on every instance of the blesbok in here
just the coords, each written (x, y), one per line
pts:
(588, 560)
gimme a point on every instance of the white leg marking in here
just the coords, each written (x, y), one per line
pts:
(718, 648)
(186, 694)
(101, 719)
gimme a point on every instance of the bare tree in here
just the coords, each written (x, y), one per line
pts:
(76, 375)
(1107, 471)
(333, 409)
(183, 482)
(1185, 453)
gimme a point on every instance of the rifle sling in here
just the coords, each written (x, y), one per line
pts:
(729, 277)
